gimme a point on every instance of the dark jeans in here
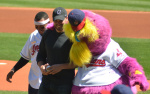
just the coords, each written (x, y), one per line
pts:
(32, 90)
(54, 88)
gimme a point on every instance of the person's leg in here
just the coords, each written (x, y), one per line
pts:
(32, 90)
(97, 89)
(44, 89)
(94, 89)
(64, 89)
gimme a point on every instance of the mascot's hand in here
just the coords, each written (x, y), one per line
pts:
(50, 26)
(138, 78)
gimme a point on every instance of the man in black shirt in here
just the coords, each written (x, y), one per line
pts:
(54, 52)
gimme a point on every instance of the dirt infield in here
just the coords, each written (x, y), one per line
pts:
(19, 80)
(124, 23)
(20, 20)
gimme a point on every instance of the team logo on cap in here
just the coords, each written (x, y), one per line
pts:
(58, 11)
(76, 23)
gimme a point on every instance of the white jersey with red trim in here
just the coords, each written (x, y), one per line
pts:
(102, 70)
(29, 52)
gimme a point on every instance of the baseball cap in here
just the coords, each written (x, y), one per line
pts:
(59, 13)
(121, 89)
(77, 19)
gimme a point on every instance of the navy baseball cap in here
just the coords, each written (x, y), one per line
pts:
(77, 19)
(121, 89)
(59, 13)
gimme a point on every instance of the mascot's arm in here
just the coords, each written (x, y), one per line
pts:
(131, 68)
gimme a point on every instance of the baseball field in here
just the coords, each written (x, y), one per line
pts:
(129, 21)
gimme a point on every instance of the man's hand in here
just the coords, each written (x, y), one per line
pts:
(42, 67)
(9, 76)
(59, 67)
(55, 69)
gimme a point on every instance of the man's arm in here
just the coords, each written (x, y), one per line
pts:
(22, 62)
(58, 67)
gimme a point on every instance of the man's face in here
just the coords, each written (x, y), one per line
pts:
(41, 28)
(58, 24)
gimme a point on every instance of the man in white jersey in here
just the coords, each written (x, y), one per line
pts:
(29, 52)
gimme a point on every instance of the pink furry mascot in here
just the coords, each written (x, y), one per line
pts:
(102, 62)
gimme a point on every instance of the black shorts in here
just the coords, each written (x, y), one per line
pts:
(54, 88)
(32, 90)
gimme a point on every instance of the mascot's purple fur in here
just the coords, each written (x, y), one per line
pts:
(132, 72)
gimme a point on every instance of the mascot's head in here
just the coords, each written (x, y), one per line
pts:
(84, 31)
(77, 19)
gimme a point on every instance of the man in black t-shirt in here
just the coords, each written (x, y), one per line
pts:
(54, 52)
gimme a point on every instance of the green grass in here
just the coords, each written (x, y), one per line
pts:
(13, 92)
(147, 92)
(137, 48)
(131, 5)
(11, 45)
(24, 92)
